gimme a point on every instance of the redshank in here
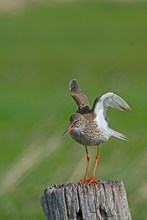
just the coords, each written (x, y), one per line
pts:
(89, 126)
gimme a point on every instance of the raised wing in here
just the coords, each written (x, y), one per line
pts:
(109, 99)
(100, 107)
(80, 98)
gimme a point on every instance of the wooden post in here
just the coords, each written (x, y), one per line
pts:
(74, 201)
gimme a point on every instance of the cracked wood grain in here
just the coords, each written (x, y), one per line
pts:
(74, 201)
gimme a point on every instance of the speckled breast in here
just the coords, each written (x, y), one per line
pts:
(88, 139)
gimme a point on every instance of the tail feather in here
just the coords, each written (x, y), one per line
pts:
(118, 135)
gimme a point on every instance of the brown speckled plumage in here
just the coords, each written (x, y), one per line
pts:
(88, 126)
(88, 133)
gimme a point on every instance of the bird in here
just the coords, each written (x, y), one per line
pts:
(89, 125)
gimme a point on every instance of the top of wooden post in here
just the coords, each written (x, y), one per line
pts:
(75, 201)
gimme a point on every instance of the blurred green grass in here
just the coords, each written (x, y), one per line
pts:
(103, 46)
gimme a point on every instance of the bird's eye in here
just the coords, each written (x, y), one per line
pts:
(77, 120)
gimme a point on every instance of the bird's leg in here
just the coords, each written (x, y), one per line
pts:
(87, 164)
(92, 179)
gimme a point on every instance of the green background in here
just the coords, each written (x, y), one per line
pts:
(103, 46)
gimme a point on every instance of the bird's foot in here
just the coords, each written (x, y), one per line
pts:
(92, 180)
(85, 180)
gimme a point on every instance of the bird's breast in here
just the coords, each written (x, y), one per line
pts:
(88, 137)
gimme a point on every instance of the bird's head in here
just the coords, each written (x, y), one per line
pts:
(76, 123)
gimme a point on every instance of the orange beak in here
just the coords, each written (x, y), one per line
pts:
(69, 129)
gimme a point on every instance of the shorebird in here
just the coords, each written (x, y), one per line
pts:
(89, 126)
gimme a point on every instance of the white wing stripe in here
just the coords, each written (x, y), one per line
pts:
(100, 108)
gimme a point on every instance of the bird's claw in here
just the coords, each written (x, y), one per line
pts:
(89, 180)
(85, 180)
(92, 180)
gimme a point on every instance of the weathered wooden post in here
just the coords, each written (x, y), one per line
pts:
(74, 201)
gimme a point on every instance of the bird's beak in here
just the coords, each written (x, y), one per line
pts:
(69, 129)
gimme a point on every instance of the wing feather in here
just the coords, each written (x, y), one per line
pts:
(100, 107)
(80, 98)
(109, 99)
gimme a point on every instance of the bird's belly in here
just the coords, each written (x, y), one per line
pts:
(88, 139)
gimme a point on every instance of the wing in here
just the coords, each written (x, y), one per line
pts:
(109, 99)
(80, 98)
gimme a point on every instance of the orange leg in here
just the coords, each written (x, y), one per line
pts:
(87, 164)
(92, 179)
